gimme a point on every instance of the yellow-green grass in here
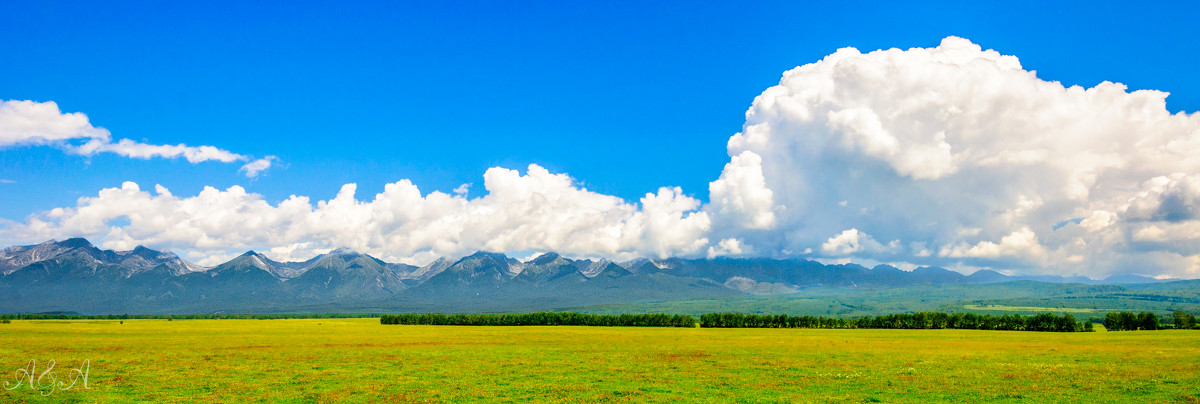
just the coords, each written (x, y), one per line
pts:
(359, 360)
(1023, 309)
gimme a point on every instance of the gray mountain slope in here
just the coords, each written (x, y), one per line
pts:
(74, 275)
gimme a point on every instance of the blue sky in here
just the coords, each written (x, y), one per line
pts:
(624, 97)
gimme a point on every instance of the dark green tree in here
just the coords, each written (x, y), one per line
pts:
(1147, 321)
(1183, 321)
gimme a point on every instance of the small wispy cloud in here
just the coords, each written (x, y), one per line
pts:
(463, 189)
(43, 123)
(7, 181)
(253, 168)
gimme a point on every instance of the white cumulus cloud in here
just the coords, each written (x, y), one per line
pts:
(740, 195)
(730, 247)
(1021, 244)
(852, 241)
(29, 122)
(967, 158)
(537, 211)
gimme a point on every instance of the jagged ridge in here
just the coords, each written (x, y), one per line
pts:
(74, 275)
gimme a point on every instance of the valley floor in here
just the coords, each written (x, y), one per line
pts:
(359, 360)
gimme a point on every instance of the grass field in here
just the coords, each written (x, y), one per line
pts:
(359, 360)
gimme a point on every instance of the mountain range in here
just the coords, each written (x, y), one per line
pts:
(75, 276)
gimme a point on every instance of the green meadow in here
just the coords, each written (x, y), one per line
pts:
(359, 360)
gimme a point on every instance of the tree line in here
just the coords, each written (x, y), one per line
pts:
(601, 320)
(1128, 321)
(920, 321)
(923, 320)
(63, 316)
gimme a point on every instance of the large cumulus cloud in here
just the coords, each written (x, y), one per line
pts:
(963, 157)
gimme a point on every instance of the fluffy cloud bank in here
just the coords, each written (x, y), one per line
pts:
(966, 158)
(952, 155)
(42, 123)
(536, 211)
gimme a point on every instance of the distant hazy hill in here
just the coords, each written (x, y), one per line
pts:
(74, 275)
(1012, 297)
